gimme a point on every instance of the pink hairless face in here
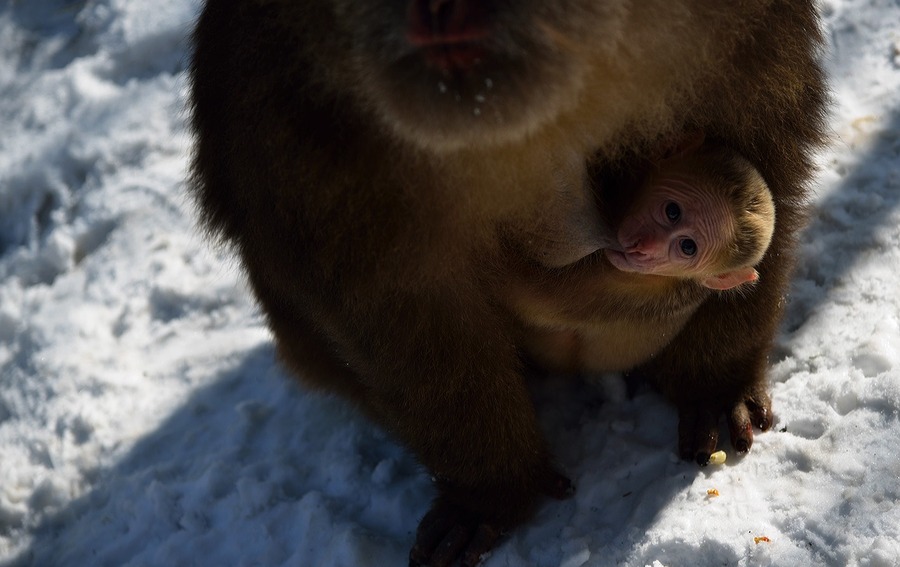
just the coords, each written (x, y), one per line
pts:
(674, 229)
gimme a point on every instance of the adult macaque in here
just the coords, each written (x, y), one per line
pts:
(378, 166)
(695, 221)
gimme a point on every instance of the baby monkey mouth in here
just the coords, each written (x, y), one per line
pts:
(627, 261)
(450, 33)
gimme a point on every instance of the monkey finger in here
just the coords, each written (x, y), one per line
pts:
(761, 413)
(698, 434)
(451, 546)
(483, 541)
(706, 437)
(433, 529)
(740, 427)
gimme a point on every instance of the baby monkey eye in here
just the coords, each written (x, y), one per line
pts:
(673, 212)
(688, 247)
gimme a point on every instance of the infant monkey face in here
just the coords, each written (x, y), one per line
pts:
(676, 228)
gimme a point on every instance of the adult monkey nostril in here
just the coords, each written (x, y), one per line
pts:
(444, 22)
(446, 14)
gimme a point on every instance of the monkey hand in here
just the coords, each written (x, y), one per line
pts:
(698, 424)
(452, 530)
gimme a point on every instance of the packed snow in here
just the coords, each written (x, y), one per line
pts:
(144, 420)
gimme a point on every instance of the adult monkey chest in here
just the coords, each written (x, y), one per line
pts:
(374, 164)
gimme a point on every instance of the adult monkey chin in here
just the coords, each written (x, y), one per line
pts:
(378, 165)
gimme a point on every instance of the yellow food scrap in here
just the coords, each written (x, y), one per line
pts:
(758, 539)
(712, 492)
(717, 458)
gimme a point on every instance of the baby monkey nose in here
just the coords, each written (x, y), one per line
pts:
(643, 245)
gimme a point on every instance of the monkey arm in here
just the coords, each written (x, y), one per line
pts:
(717, 364)
(592, 289)
(570, 225)
(727, 377)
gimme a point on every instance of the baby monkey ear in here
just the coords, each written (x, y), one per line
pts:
(731, 279)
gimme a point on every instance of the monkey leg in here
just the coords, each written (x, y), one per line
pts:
(488, 458)
(476, 432)
(311, 357)
(438, 369)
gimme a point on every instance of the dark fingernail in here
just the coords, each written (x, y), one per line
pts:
(742, 446)
(702, 459)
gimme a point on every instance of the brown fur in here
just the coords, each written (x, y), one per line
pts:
(377, 214)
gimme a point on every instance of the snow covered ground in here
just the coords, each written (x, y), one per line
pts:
(144, 421)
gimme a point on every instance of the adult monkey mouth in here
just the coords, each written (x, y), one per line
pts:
(450, 33)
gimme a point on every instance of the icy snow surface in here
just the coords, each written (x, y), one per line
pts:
(144, 421)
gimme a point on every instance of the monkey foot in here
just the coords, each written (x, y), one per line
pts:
(698, 427)
(449, 533)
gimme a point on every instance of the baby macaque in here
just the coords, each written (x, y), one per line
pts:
(701, 218)
(705, 215)
(694, 211)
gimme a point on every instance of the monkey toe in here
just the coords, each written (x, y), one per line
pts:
(744, 416)
(761, 414)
